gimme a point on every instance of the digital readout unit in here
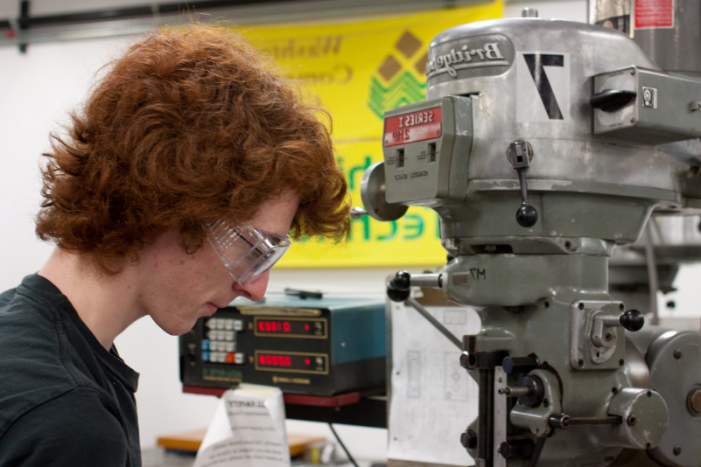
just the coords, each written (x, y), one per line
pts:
(319, 347)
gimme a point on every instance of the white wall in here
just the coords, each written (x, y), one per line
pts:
(36, 91)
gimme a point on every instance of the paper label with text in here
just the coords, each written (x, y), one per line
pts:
(248, 430)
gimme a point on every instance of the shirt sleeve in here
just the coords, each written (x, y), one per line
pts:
(77, 429)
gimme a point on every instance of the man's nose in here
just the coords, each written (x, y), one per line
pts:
(255, 288)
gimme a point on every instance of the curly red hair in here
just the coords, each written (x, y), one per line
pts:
(187, 127)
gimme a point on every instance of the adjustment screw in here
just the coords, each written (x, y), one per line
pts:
(631, 420)
(677, 450)
(464, 361)
(694, 399)
(678, 354)
(468, 439)
(464, 439)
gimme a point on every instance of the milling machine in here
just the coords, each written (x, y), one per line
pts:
(543, 145)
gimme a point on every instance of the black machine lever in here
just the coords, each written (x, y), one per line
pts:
(520, 154)
(612, 100)
(563, 421)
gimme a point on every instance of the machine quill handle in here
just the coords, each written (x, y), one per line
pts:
(520, 154)
(526, 216)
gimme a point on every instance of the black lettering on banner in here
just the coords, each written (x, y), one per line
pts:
(536, 64)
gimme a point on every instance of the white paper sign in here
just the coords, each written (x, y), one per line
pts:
(433, 397)
(248, 430)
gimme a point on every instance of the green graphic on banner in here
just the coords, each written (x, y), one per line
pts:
(404, 90)
(403, 70)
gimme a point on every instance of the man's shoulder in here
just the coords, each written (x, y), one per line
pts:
(79, 427)
(34, 357)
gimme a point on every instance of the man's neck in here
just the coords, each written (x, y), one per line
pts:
(107, 304)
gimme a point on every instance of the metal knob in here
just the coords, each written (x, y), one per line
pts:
(632, 320)
(358, 213)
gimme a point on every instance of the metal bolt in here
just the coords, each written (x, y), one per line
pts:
(464, 360)
(632, 120)
(500, 380)
(464, 440)
(608, 337)
(677, 450)
(631, 420)
(695, 400)
(632, 72)
(678, 354)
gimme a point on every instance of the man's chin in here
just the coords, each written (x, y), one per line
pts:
(176, 329)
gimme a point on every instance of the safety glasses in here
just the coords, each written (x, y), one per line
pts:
(246, 251)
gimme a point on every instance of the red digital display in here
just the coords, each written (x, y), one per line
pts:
(274, 326)
(314, 328)
(274, 360)
(278, 361)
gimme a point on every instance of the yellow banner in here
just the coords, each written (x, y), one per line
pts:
(359, 70)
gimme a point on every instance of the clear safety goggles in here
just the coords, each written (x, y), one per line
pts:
(246, 251)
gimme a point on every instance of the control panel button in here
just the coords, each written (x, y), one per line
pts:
(238, 325)
(240, 358)
(230, 357)
(229, 335)
(221, 323)
(205, 344)
(229, 324)
(230, 346)
(205, 356)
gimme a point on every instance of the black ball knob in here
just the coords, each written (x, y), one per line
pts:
(526, 216)
(397, 295)
(632, 320)
(402, 280)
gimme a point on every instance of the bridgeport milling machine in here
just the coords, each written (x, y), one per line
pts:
(542, 145)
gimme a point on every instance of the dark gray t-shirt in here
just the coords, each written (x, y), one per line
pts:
(64, 399)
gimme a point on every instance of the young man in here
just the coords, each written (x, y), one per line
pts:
(172, 194)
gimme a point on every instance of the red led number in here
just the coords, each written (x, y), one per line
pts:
(275, 360)
(276, 326)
